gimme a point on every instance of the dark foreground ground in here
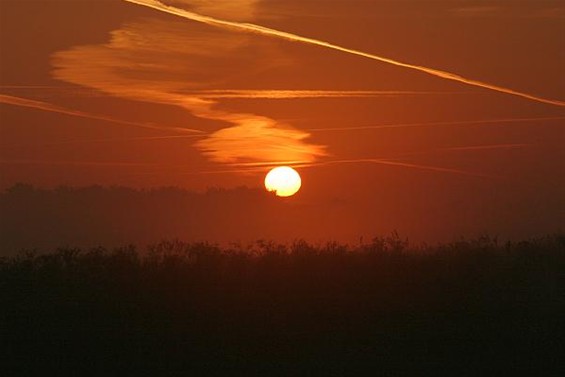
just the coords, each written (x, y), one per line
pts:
(471, 308)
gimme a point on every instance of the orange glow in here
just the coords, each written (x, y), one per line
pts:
(283, 181)
(435, 129)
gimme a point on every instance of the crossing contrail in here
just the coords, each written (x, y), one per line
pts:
(261, 169)
(258, 29)
(45, 106)
(433, 124)
(76, 163)
(396, 164)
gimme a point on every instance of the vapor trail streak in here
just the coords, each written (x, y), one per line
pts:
(302, 94)
(261, 167)
(428, 124)
(251, 169)
(487, 147)
(396, 163)
(253, 28)
(301, 164)
(33, 87)
(75, 163)
(38, 105)
(106, 140)
(469, 148)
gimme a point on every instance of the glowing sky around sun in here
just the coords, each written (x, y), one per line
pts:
(391, 111)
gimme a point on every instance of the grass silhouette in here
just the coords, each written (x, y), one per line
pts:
(384, 308)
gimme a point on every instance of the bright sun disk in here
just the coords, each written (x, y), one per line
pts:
(283, 181)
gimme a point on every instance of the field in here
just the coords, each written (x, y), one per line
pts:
(383, 308)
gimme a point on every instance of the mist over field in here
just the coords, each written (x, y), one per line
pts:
(36, 218)
(33, 218)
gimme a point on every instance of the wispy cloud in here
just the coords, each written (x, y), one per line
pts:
(258, 29)
(261, 137)
(168, 63)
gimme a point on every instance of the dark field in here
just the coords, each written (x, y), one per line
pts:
(475, 308)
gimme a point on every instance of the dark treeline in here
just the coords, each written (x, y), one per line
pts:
(384, 308)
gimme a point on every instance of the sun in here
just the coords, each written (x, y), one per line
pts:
(283, 181)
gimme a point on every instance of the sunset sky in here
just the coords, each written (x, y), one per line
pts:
(434, 118)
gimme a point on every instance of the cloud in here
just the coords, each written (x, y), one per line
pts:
(262, 137)
(168, 63)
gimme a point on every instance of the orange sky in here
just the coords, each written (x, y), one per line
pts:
(114, 93)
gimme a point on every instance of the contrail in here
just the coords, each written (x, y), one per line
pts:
(398, 164)
(106, 140)
(260, 166)
(33, 87)
(335, 162)
(487, 147)
(38, 105)
(253, 28)
(268, 164)
(470, 148)
(75, 163)
(303, 94)
(431, 124)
